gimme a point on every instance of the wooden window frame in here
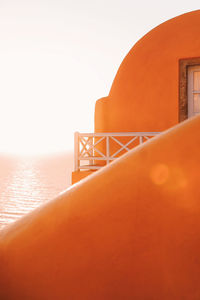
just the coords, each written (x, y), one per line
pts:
(183, 89)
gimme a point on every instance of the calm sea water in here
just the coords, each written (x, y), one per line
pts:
(27, 182)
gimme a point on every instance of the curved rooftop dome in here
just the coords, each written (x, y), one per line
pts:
(145, 93)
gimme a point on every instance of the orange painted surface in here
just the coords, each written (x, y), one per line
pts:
(144, 95)
(130, 231)
(78, 175)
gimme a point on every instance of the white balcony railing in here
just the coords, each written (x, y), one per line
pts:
(92, 151)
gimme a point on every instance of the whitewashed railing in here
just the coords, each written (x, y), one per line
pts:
(86, 150)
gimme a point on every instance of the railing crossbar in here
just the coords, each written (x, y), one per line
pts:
(84, 144)
(85, 147)
(99, 141)
(90, 147)
(103, 134)
(123, 146)
(97, 150)
(147, 137)
(96, 158)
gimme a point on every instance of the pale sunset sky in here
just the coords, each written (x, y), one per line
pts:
(57, 57)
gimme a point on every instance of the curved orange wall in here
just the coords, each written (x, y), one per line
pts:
(144, 94)
(130, 231)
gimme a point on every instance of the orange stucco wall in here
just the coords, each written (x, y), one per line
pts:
(144, 95)
(145, 92)
(78, 175)
(130, 231)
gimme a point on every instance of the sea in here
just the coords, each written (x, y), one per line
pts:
(27, 182)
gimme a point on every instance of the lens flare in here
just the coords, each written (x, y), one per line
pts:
(159, 174)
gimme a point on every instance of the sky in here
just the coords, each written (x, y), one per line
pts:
(57, 57)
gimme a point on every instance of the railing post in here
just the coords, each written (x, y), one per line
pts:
(90, 143)
(107, 150)
(85, 147)
(76, 151)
